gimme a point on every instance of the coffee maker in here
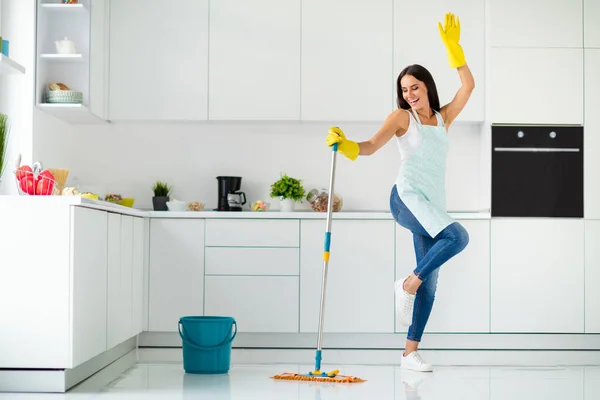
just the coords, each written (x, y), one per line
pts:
(230, 199)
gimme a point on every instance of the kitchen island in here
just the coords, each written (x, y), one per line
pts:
(84, 282)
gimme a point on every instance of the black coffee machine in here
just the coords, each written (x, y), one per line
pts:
(229, 197)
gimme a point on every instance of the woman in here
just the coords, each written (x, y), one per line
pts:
(418, 198)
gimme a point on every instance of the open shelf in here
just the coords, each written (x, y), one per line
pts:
(71, 113)
(63, 7)
(8, 66)
(62, 57)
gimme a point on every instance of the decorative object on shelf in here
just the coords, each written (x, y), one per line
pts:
(161, 196)
(91, 196)
(70, 1)
(61, 94)
(127, 202)
(60, 174)
(65, 46)
(3, 142)
(196, 206)
(260, 205)
(177, 205)
(318, 200)
(113, 198)
(4, 49)
(289, 190)
(35, 180)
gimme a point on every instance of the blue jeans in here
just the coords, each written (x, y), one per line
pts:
(430, 254)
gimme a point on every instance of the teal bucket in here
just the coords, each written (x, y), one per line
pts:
(206, 344)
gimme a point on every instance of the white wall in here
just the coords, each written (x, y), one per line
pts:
(127, 158)
(16, 91)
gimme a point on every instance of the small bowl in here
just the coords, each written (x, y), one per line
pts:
(127, 202)
(177, 206)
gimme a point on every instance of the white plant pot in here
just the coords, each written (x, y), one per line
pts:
(287, 205)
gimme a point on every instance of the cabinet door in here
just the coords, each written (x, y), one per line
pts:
(520, 93)
(412, 17)
(591, 136)
(88, 283)
(158, 60)
(138, 275)
(126, 287)
(536, 23)
(254, 60)
(360, 280)
(470, 268)
(99, 57)
(258, 303)
(176, 275)
(114, 280)
(346, 60)
(592, 277)
(591, 27)
(537, 275)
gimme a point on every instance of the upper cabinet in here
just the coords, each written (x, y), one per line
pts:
(254, 60)
(159, 60)
(520, 91)
(537, 23)
(347, 60)
(72, 52)
(591, 28)
(417, 41)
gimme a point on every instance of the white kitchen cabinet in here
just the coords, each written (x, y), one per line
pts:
(592, 277)
(252, 261)
(430, 52)
(113, 279)
(158, 60)
(137, 291)
(176, 270)
(347, 60)
(360, 283)
(591, 135)
(537, 275)
(536, 23)
(258, 303)
(254, 60)
(126, 280)
(237, 232)
(591, 31)
(519, 89)
(469, 269)
(88, 275)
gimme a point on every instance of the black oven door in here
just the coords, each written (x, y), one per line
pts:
(537, 171)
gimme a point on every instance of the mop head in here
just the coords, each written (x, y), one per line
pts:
(319, 377)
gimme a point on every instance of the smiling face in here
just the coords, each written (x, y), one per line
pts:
(414, 92)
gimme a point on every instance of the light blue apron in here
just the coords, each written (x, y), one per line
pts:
(421, 181)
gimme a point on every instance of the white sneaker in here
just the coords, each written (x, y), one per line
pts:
(414, 362)
(404, 304)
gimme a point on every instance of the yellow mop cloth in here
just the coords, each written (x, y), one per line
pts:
(331, 377)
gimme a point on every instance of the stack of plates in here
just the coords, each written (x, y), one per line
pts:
(64, 96)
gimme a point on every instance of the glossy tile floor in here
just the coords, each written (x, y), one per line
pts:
(134, 377)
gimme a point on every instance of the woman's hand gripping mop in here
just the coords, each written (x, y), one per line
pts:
(317, 375)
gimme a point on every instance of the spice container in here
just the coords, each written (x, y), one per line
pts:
(318, 200)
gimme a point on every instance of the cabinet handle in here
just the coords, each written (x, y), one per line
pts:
(537, 149)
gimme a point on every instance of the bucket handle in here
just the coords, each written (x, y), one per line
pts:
(198, 347)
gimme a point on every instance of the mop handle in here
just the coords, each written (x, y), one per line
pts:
(326, 252)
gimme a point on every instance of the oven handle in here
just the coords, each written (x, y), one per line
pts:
(537, 149)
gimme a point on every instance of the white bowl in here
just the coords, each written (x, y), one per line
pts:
(177, 206)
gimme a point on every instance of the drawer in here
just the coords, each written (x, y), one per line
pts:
(266, 304)
(252, 261)
(246, 232)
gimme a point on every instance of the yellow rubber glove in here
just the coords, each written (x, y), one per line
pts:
(450, 35)
(346, 147)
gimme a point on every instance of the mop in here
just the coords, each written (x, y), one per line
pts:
(317, 375)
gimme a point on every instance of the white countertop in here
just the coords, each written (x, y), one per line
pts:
(275, 214)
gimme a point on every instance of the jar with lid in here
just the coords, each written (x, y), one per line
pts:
(318, 200)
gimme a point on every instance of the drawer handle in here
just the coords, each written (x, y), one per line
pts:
(538, 149)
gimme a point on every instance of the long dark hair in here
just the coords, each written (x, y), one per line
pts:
(421, 73)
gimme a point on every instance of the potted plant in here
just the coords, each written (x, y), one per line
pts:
(3, 142)
(289, 190)
(161, 196)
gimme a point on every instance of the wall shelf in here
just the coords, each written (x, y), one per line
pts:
(63, 7)
(71, 113)
(8, 66)
(62, 57)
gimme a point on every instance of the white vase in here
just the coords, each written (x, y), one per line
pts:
(286, 205)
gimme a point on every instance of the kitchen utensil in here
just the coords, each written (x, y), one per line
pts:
(230, 185)
(65, 46)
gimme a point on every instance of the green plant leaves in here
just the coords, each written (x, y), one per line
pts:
(161, 189)
(288, 188)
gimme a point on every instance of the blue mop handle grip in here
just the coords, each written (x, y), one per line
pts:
(334, 146)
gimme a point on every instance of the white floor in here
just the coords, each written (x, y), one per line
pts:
(147, 374)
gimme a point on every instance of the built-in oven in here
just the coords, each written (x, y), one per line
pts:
(537, 171)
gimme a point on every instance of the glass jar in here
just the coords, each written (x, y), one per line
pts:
(318, 200)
